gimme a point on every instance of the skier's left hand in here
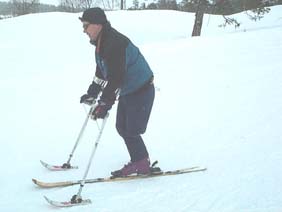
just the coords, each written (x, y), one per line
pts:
(101, 110)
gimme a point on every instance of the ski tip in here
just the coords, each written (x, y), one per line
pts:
(46, 198)
(56, 204)
(39, 183)
(43, 163)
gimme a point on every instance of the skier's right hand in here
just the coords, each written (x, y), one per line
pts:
(87, 99)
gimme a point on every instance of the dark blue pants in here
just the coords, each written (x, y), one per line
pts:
(133, 114)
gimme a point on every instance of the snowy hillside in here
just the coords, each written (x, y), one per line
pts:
(218, 104)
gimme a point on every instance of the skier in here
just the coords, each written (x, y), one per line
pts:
(122, 74)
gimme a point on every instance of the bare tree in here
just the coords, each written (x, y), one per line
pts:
(67, 5)
(76, 5)
(110, 4)
(85, 4)
(121, 4)
(22, 7)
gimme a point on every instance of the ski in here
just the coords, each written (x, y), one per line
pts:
(67, 203)
(63, 167)
(117, 179)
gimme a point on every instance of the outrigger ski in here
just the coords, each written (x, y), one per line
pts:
(67, 203)
(63, 167)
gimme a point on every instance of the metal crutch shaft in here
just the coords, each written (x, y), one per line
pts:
(78, 196)
(67, 164)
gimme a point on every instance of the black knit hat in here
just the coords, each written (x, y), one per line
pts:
(94, 16)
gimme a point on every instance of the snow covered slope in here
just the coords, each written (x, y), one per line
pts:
(218, 105)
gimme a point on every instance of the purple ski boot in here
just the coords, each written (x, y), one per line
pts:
(138, 167)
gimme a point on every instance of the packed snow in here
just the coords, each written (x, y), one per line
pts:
(218, 105)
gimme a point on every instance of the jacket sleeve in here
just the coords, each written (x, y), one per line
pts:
(115, 57)
(97, 84)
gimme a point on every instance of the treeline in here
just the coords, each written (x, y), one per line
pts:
(218, 7)
(16, 8)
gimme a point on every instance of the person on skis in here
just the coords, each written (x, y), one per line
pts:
(122, 73)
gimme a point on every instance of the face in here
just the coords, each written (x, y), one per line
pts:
(92, 30)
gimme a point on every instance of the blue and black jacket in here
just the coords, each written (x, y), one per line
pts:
(120, 63)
